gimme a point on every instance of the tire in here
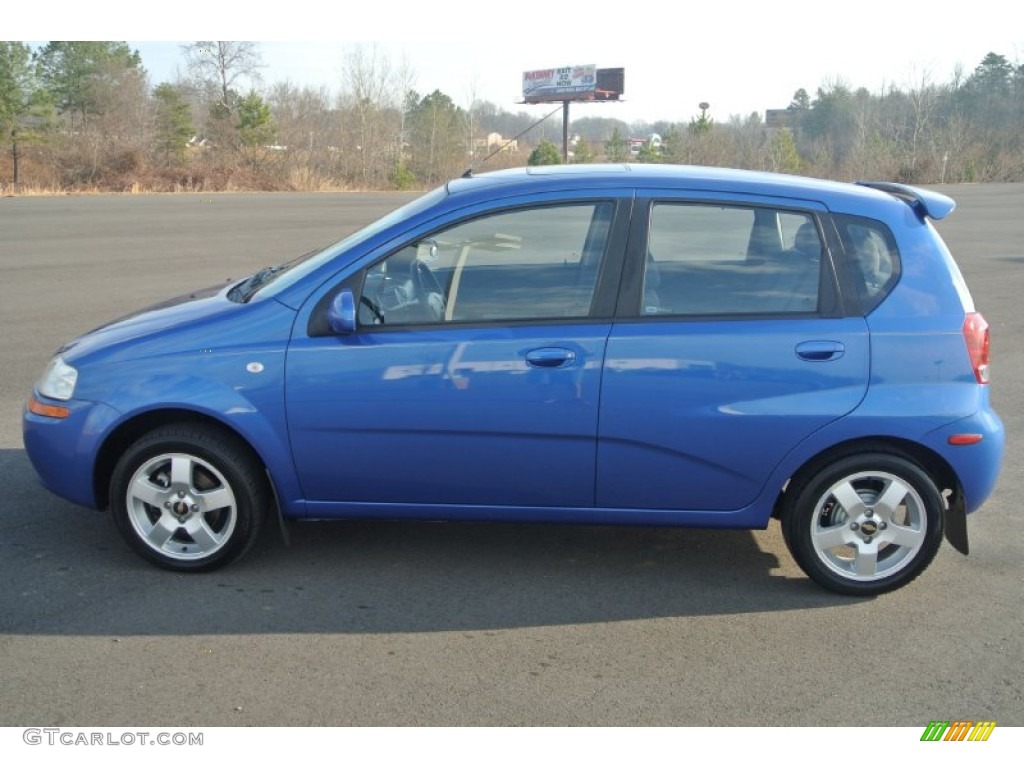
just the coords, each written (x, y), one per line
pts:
(866, 524)
(189, 497)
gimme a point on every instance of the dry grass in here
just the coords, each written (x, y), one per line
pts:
(184, 181)
(303, 179)
(46, 190)
(64, 172)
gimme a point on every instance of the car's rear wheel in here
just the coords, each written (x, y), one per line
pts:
(189, 497)
(865, 525)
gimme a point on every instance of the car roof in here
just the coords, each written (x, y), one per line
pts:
(836, 195)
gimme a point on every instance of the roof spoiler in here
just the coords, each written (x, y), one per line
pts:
(923, 201)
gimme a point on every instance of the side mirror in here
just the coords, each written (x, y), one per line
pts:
(426, 251)
(341, 315)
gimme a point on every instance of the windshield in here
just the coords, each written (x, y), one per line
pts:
(276, 279)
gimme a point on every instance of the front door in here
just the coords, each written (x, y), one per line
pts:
(474, 375)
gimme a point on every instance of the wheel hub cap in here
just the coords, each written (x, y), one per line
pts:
(181, 506)
(868, 525)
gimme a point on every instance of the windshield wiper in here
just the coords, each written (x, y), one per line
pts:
(242, 292)
(245, 289)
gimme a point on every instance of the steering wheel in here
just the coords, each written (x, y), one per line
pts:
(378, 316)
(429, 290)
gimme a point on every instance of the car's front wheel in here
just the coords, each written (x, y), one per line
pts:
(189, 497)
(865, 525)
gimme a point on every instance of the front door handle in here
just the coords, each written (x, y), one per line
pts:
(550, 357)
(820, 351)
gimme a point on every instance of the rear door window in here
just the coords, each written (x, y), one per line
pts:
(708, 259)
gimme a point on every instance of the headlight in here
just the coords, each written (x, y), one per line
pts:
(58, 380)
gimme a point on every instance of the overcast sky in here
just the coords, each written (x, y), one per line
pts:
(739, 56)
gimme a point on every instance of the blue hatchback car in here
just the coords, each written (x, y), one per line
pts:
(636, 345)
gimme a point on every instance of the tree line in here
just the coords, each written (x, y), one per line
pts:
(84, 115)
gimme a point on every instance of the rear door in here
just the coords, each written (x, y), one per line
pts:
(730, 347)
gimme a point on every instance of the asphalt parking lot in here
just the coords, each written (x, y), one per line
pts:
(427, 624)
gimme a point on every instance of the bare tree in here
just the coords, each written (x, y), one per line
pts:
(924, 98)
(220, 65)
(304, 118)
(472, 100)
(371, 106)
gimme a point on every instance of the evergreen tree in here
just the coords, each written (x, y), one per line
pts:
(832, 120)
(801, 101)
(24, 108)
(988, 93)
(255, 125)
(545, 153)
(172, 123)
(436, 128)
(702, 123)
(673, 147)
(582, 153)
(992, 77)
(649, 153)
(84, 75)
(615, 149)
(784, 156)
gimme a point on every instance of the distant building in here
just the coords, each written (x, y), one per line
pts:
(635, 144)
(779, 118)
(493, 141)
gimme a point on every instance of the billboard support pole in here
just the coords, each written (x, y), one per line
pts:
(576, 83)
(565, 131)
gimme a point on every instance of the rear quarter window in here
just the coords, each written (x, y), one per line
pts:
(873, 261)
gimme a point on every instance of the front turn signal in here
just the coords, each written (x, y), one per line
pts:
(42, 409)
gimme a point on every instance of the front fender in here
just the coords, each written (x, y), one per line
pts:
(242, 390)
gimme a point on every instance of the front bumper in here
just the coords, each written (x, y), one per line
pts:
(63, 451)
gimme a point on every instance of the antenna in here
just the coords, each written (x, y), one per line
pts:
(469, 171)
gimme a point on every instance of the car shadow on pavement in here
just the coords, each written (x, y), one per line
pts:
(66, 571)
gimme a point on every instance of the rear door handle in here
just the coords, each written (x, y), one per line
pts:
(550, 357)
(820, 351)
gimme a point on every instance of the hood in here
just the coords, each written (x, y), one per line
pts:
(202, 293)
(188, 309)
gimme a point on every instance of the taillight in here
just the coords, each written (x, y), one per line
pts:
(976, 337)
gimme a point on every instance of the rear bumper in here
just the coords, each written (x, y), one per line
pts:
(976, 466)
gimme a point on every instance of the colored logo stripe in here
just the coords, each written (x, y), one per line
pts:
(935, 730)
(958, 730)
(982, 731)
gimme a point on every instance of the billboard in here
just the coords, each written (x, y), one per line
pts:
(560, 84)
(611, 84)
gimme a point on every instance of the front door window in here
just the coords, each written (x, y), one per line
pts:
(526, 264)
